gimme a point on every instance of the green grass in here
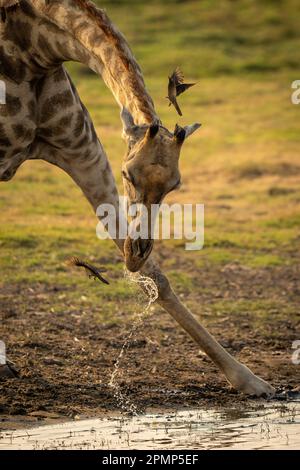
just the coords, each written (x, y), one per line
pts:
(258, 312)
(244, 56)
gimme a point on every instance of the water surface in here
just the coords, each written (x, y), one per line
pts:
(267, 427)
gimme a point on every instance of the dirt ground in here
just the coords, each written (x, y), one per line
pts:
(65, 361)
(62, 332)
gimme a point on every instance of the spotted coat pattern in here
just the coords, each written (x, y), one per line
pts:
(43, 116)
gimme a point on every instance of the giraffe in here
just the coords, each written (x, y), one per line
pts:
(43, 118)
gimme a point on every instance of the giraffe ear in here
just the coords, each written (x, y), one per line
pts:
(152, 130)
(182, 133)
(179, 134)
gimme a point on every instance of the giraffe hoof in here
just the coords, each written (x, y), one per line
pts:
(246, 382)
(258, 387)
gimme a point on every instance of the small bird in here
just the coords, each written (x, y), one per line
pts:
(91, 270)
(176, 87)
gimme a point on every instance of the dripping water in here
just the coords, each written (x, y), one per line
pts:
(150, 288)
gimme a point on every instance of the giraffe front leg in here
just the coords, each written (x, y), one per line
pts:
(6, 367)
(238, 375)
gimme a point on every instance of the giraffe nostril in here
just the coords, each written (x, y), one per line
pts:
(140, 247)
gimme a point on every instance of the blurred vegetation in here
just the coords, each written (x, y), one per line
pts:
(243, 164)
(211, 37)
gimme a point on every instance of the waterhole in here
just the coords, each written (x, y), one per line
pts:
(268, 427)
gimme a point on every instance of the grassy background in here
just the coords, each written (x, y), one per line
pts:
(243, 164)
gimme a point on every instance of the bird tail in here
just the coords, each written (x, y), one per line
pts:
(177, 108)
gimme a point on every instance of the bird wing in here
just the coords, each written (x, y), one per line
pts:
(177, 76)
(183, 87)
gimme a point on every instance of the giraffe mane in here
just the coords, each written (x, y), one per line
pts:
(117, 40)
(102, 19)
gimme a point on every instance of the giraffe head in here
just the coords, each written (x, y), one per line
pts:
(150, 171)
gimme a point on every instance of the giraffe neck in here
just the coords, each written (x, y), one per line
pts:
(91, 38)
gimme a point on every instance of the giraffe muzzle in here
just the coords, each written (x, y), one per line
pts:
(136, 253)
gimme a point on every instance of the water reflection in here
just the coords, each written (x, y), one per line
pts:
(267, 427)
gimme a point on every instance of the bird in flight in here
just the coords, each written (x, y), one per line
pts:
(176, 87)
(91, 270)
